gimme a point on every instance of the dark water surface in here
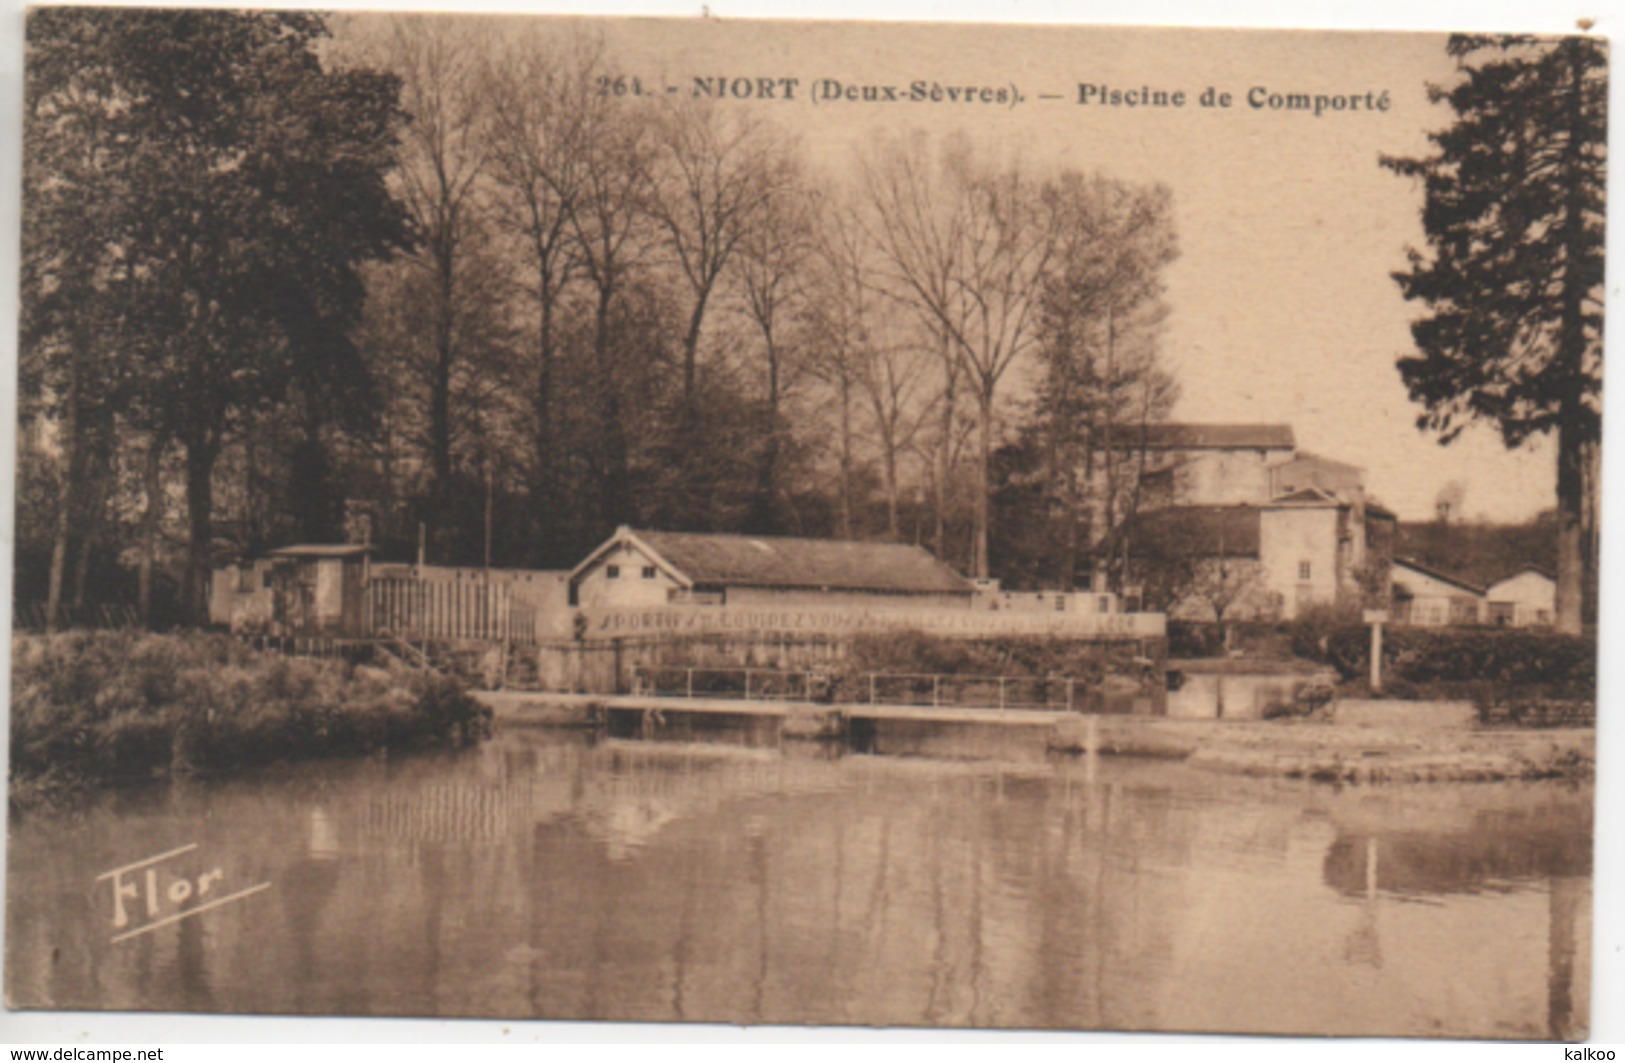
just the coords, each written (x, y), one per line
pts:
(716, 876)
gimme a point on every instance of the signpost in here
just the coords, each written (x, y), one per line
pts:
(1376, 618)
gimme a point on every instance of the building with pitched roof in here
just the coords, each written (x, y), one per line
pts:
(1525, 598)
(1294, 529)
(1431, 597)
(640, 568)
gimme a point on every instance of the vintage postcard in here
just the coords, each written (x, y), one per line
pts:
(855, 524)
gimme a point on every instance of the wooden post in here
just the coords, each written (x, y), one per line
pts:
(1376, 618)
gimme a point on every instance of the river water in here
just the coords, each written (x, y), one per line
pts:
(717, 875)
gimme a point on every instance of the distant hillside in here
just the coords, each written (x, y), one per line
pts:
(1478, 552)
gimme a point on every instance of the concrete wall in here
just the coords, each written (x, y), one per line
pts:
(1224, 477)
(1299, 553)
(630, 588)
(753, 597)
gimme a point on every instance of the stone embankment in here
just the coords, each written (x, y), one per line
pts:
(1366, 741)
(1314, 749)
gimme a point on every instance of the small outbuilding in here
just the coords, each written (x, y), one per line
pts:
(305, 590)
(1429, 597)
(639, 569)
(1526, 598)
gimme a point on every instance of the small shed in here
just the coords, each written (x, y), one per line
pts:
(1430, 597)
(1525, 598)
(320, 588)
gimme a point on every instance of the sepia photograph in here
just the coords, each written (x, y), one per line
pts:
(834, 523)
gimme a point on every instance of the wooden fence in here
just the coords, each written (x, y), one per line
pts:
(432, 609)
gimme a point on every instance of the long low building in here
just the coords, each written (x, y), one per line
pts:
(637, 569)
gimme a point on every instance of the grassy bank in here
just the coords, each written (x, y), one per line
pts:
(90, 708)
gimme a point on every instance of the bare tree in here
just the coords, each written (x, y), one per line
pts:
(543, 106)
(610, 229)
(967, 245)
(443, 159)
(717, 175)
(774, 258)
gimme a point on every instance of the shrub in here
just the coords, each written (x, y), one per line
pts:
(1473, 662)
(100, 706)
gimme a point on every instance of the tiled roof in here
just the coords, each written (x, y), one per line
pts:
(773, 561)
(1178, 436)
(1438, 574)
(1213, 531)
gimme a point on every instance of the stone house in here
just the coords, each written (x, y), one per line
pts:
(1292, 529)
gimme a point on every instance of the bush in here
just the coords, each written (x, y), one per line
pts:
(1194, 638)
(1482, 663)
(914, 653)
(101, 706)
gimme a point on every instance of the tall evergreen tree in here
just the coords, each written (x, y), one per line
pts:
(1514, 277)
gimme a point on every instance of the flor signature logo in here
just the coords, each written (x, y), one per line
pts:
(150, 894)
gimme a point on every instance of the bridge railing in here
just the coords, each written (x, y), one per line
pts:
(937, 690)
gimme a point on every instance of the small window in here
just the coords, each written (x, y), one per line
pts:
(612, 572)
(1060, 603)
(648, 572)
(1303, 570)
(1105, 603)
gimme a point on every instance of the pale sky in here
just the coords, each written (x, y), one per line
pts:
(1282, 305)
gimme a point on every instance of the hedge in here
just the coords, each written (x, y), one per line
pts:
(1495, 661)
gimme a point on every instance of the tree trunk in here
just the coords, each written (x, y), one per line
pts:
(984, 485)
(945, 460)
(200, 457)
(691, 351)
(844, 517)
(151, 520)
(66, 499)
(542, 481)
(1570, 521)
(615, 502)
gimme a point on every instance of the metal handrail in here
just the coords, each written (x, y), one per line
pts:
(941, 684)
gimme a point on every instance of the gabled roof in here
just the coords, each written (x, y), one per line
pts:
(1539, 570)
(322, 550)
(1304, 457)
(1433, 573)
(1211, 531)
(1173, 435)
(698, 559)
(1308, 498)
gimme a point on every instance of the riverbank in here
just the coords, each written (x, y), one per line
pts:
(94, 708)
(1393, 752)
(1428, 746)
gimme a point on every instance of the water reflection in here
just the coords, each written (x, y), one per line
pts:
(721, 878)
